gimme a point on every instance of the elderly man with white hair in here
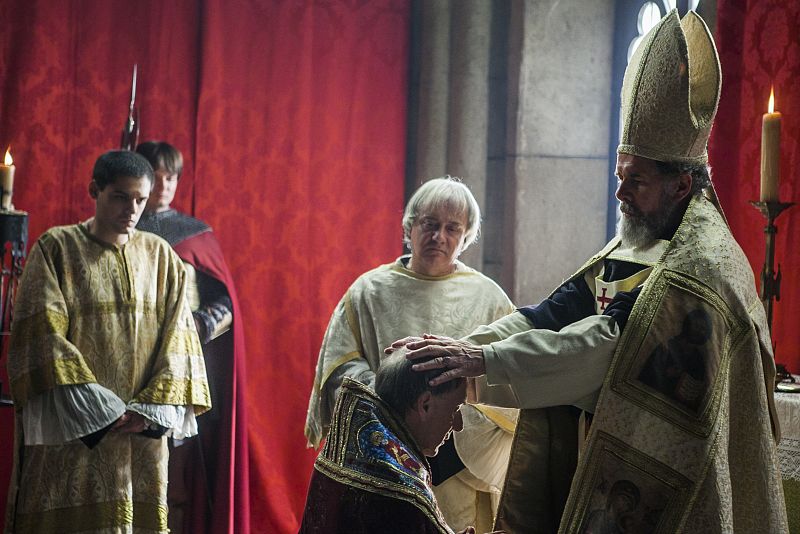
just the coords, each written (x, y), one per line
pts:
(429, 290)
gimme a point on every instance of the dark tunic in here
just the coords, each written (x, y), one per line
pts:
(574, 300)
(215, 469)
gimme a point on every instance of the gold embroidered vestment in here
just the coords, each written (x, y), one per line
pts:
(93, 313)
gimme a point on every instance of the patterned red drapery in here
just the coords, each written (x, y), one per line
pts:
(291, 116)
(759, 46)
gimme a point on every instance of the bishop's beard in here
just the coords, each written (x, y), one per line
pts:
(637, 230)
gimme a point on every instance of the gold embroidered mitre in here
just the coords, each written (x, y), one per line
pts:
(670, 92)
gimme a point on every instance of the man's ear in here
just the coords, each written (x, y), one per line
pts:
(93, 189)
(683, 186)
(423, 405)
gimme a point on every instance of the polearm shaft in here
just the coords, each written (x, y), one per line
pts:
(130, 131)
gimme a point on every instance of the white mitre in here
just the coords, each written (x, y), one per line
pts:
(670, 92)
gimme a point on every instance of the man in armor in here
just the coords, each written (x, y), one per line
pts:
(203, 492)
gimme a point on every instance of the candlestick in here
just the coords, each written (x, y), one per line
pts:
(7, 181)
(13, 244)
(770, 281)
(770, 152)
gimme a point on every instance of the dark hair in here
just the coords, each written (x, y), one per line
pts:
(400, 386)
(162, 155)
(700, 173)
(116, 164)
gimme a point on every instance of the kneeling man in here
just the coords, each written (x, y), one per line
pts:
(372, 475)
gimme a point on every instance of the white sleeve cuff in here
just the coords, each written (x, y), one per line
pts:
(180, 422)
(67, 413)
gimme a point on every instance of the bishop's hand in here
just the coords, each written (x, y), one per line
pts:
(459, 358)
(400, 343)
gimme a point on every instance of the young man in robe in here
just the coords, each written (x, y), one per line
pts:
(104, 363)
(702, 450)
(209, 478)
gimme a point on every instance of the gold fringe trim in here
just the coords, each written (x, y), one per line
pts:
(94, 517)
(58, 372)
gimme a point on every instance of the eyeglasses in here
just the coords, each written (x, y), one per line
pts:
(431, 224)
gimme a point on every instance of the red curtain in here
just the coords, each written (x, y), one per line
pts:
(759, 46)
(291, 115)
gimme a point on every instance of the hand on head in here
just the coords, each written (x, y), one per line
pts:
(413, 342)
(400, 343)
(460, 358)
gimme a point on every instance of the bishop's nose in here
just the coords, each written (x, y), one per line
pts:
(622, 192)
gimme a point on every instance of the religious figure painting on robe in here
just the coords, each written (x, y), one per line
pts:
(629, 492)
(681, 354)
(677, 367)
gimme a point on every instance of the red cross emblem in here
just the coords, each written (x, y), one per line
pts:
(603, 300)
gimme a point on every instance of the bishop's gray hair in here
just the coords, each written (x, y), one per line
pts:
(449, 192)
(700, 173)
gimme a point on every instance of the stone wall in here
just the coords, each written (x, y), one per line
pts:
(514, 97)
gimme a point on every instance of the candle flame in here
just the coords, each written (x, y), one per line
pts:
(8, 160)
(771, 105)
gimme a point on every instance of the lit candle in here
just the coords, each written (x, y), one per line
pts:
(770, 152)
(7, 180)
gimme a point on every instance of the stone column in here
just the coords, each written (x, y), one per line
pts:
(558, 151)
(469, 89)
(431, 134)
(449, 102)
(514, 97)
